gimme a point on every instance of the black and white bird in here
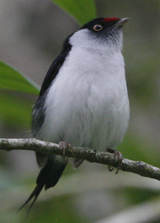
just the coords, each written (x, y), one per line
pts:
(83, 100)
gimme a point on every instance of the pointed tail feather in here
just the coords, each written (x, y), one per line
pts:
(48, 177)
(34, 195)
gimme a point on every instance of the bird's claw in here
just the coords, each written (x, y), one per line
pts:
(63, 146)
(118, 156)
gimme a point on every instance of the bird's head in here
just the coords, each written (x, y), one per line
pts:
(100, 32)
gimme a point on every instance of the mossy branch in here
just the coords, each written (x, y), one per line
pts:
(106, 158)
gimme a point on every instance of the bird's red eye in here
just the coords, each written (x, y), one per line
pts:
(97, 27)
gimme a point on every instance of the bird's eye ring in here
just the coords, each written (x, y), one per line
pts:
(97, 27)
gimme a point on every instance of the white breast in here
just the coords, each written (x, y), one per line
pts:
(87, 104)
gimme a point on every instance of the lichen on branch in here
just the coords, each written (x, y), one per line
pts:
(137, 167)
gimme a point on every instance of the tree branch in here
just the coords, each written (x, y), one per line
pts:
(106, 158)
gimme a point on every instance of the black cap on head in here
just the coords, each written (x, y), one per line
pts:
(99, 24)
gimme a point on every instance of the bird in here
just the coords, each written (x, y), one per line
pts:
(83, 100)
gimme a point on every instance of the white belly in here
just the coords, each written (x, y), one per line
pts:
(87, 108)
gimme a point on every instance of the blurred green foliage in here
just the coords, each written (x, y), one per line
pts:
(82, 10)
(90, 193)
(10, 79)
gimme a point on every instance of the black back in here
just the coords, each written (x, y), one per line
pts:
(39, 109)
(54, 68)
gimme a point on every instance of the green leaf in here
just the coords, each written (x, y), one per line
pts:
(11, 79)
(82, 10)
(15, 110)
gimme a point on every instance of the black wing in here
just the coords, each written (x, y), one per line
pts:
(56, 65)
(39, 109)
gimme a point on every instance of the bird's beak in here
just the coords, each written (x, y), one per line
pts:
(121, 22)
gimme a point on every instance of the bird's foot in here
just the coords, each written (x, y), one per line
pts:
(63, 146)
(76, 163)
(118, 156)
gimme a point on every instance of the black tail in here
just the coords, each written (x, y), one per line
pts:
(48, 177)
